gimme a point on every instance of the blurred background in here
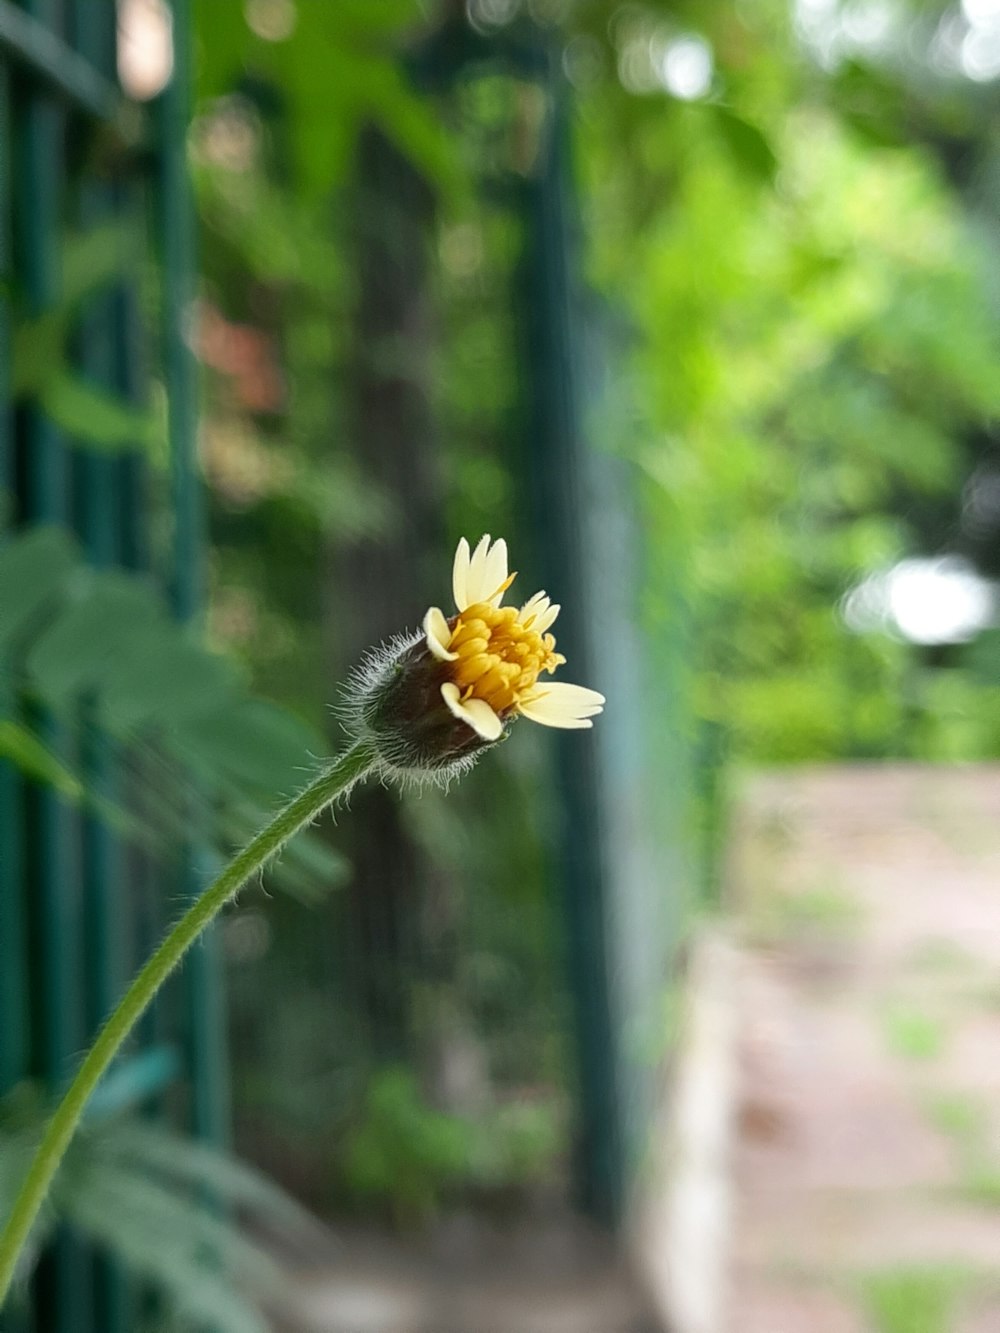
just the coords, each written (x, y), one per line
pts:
(697, 305)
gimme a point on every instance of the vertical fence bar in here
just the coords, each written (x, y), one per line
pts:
(61, 1287)
(176, 227)
(98, 510)
(15, 1018)
(98, 484)
(14, 1015)
(553, 470)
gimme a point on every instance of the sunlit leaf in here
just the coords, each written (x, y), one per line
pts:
(23, 749)
(93, 416)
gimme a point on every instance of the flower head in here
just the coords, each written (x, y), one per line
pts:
(496, 654)
(433, 703)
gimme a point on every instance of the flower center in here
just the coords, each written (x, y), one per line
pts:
(499, 659)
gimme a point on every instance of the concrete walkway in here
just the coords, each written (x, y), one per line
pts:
(543, 1276)
(867, 1165)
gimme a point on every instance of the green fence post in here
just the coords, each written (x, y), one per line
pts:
(15, 1020)
(98, 487)
(552, 465)
(176, 228)
(61, 1286)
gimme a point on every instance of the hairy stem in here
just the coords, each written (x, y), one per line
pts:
(321, 792)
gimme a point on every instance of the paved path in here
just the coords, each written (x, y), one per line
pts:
(868, 1161)
(543, 1276)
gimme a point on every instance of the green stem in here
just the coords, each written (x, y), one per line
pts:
(331, 783)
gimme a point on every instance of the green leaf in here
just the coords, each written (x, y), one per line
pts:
(37, 349)
(26, 752)
(95, 417)
(199, 1262)
(162, 678)
(91, 260)
(167, 1208)
(76, 651)
(96, 257)
(749, 145)
(180, 711)
(308, 869)
(187, 1162)
(254, 742)
(35, 567)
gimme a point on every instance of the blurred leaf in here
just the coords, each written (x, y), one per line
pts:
(79, 646)
(37, 351)
(869, 100)
(982, 657)
(21, 748)
(197, 1260)
(94, 258)
(91, 260)
(187, 1161)
(308, 868)
(95, 417)
(176, 710)
(167, 1208)
(257, 743)
(337, 69)
(35, 567)
(749, 146)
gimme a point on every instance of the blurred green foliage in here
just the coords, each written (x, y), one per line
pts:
(404, 1154)
(801, 289)
(172, 1211)
(41, 369)
(175, 712)
(809, 369)
(914, 1300)
(791, 267)
(330, 69)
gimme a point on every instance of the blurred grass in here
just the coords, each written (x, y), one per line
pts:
(826, 913)
(913, 1034)
(913, 1300)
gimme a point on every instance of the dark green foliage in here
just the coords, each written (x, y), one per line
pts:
(41, 369)
(336, 69)
(170, 1210)
(403, 1152)
(178, 714)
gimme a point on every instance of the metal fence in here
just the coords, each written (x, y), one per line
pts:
(78, 906)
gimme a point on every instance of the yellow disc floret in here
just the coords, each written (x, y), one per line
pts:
(499, 657)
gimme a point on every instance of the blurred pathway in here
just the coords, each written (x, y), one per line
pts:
(554, 1275)
(868, 1157)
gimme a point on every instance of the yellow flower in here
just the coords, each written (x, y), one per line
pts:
(496, 654)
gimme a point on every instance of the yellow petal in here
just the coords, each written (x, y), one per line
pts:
(475, 713)
(438, 635)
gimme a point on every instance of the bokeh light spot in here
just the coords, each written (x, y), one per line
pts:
(271, 20)
(686, 68)
(145, 52)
